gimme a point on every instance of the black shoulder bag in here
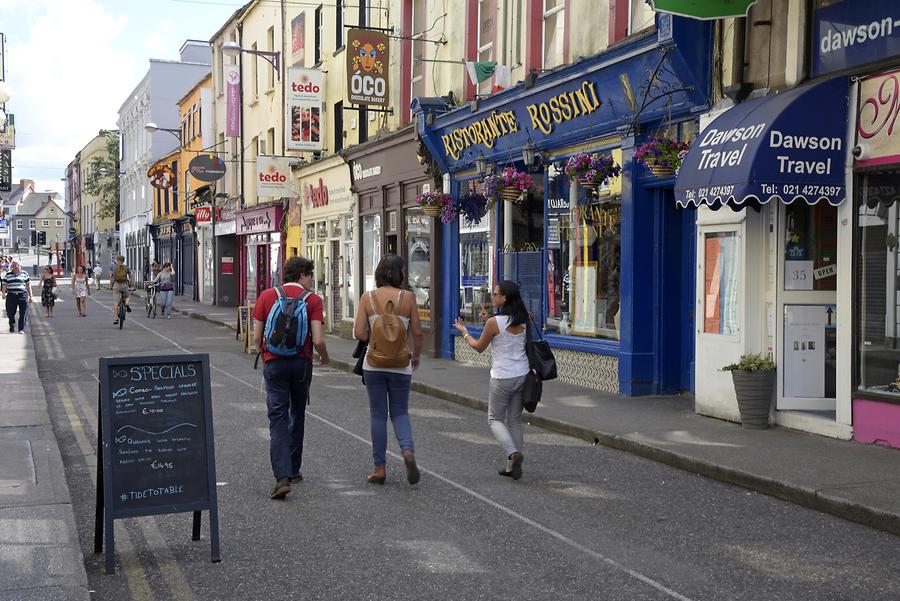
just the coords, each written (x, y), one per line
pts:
(540, 357)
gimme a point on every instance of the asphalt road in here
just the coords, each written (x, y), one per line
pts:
(585, 522)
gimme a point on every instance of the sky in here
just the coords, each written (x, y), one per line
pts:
(70, 64)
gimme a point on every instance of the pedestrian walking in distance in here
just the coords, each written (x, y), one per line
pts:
(16, 289)
(505, 334)
(382, 320)
(166, 287)
(98, 272)
(293, 317)
(48, 290)
(81, 289)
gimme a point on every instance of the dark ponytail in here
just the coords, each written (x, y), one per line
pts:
(514, 307)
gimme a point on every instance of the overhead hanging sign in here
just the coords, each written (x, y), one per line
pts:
(232, 101)
(8, 133)
(5, 170)
(305, 89)
(704, 9)
(207, 167)
(850, 33)
(877, 131)
(273, 176)
(367, 64)
(161, 176)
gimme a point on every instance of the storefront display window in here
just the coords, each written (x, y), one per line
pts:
(418, 257)
(810, 247)
(476, 274)
(877, 284)
(275, 259)
(350, 271)
(371, 248)
(583, 262)
(720, 283)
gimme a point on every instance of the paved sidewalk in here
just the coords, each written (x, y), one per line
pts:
(850, 480)
(40, 556)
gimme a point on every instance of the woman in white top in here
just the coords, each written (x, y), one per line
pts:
(505, 334)
(81, 288)
(166, 288)
(388, 387)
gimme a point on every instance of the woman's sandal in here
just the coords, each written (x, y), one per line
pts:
(412, 470)
(516, 471)
(377, 477)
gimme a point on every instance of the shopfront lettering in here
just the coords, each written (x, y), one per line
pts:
(315, 196)
(832, 41)
(256, 222)
(360, 173)
(485, 131)
(564, 107)
(593, 218)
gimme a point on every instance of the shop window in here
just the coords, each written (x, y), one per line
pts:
(338, 25)
(877, 273)
(583, 261)
(720, 283)
(418, 262)
(371, 248)
(350, 278)
(512, 19)
(254, 75)
(418, 85)
(810, 247)
(476, 275)
(487, 35)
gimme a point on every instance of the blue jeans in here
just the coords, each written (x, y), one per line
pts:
(388, 391)
(287, 389)
(16, 302)
(165, 298)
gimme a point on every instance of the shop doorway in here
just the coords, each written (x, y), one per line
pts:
(675, 295)
(806, 307)
(336, 288)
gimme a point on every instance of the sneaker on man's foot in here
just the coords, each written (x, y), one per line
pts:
(298, 477)
(12, 329)
(282, 488)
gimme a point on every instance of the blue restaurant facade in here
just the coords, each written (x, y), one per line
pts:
(607, 274)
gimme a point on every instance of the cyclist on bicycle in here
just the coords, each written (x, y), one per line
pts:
(121, 282)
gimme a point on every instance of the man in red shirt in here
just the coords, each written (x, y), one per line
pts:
(288, 378)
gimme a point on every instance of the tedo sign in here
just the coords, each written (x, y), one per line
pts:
(273, 176)
(207, 167)
(161, 176)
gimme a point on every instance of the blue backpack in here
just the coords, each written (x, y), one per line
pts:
(287, 325)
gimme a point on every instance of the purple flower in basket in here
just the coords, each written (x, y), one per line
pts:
(472, 207)
(594, 169)
(507, 178)
(662, 152)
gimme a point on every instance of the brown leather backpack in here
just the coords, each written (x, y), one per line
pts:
(387, 339)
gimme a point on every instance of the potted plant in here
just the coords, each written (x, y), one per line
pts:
(472, 207)
(434, 204)
(754, 387)
(509, 185)
(592, 170)
(662, 155)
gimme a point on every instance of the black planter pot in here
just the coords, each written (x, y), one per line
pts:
(754, 391)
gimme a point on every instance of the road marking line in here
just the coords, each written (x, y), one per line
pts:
(134, 572)
(546, 530)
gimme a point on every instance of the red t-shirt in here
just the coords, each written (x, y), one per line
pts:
(314, 312)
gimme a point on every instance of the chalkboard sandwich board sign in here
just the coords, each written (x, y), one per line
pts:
(156, 443)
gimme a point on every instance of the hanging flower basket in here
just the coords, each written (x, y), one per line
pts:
(662, 156)
(592, 170)
(509, 185)
(472, 207)
(437, 204)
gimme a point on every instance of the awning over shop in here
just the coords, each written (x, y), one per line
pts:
(791, 146)
(704, 9)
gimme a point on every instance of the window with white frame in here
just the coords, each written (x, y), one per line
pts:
(31, 224)
(320, 34)
(418, 84)
(270, 46)
(554, 27)
(512, 26)
(20, 224)
(45, 223)
(487, 35)
(640, 16)
(59, 223)
(254, 74)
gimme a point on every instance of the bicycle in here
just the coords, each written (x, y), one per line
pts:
(152, 293)
(120, 308)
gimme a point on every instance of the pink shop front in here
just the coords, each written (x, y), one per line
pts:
(260, 237)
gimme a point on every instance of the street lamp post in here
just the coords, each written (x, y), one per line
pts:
(274, 58)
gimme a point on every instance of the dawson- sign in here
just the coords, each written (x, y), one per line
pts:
(367, 64)
(851, 33)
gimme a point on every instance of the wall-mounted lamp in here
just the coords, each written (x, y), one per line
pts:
(528, 152)
(274, 58)
(481, 163)
(152, 128)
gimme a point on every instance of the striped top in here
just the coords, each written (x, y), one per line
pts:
(17, 283)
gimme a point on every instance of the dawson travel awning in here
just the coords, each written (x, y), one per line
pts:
(790, 146)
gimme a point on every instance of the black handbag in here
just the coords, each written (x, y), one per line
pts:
(360, 355)
(540, 357)
(531, 392)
